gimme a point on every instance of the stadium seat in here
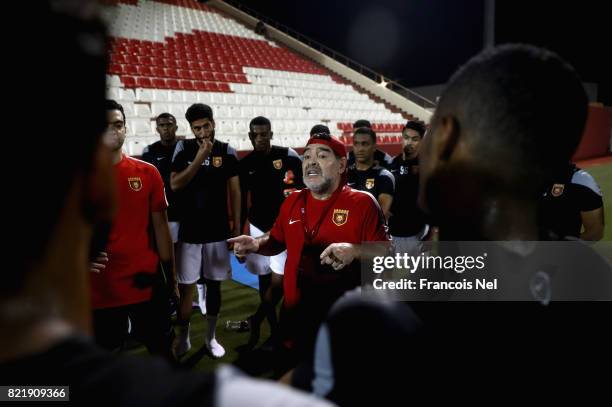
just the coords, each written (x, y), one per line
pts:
(140, 127)
(142, 110)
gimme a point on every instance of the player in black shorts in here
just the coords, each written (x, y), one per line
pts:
(160, 155)
(268, 175)
(407, 223)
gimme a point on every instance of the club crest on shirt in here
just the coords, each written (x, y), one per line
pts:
(135, 183)
(278, 164)
(369, 184)
(414, 169)
(289, 176)
(340, 216)
(557, 190)
(217, 161)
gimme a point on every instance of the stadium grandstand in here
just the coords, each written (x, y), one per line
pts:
(230, 213)
(167, 55)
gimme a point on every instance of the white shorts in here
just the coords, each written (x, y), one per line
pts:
(210, 260)
(174, 228)
(262, 265)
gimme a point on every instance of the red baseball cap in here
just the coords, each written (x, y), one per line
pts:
(325, 138)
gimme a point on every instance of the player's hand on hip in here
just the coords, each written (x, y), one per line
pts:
(244, 245)
(339, 255)
(99, 263)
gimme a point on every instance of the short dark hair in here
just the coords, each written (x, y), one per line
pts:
(366, 130)
(319, 128)
(198, 111)
(113, 105)
(165, 116)
(260, 121)
(416, 126)
(506, 100)
(83, 44)
(362, 123)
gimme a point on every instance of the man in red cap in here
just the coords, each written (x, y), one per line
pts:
(322, 228)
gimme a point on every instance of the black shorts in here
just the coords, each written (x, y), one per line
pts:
(150, 320)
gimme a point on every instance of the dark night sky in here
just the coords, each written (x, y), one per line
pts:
(422, 42)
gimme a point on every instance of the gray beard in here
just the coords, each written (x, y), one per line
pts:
(321, 188)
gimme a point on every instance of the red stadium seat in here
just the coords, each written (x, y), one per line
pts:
(131, 59)
(144, 51)
(171, 73)
(158, 72)
(159, 83)
(145, 60)
(348, 140)
(155, 61)
(196, 75)
(224, 87)
(128, 81)
(118, 58)
(212, 87)
(130, 69)
(200, 86)
(183, 74)
(186, 85)
(119, 49)
(129, 50)
(172, 83)
(115, 69)
(142, 82)
(144, 70)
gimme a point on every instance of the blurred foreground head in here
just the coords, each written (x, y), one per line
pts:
(62, 187)
(507, 118)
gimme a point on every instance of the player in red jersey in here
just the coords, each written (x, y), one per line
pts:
(123, 285)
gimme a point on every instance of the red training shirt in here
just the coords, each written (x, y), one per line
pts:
(140, 192)
(354, 217)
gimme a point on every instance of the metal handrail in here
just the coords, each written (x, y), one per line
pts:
(339, 57)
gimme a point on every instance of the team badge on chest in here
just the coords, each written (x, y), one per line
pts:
(340, 216)
(369, 184)
(557, 190)
(289, 176)
(217, 161)
(135, 183)
(278, 164)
